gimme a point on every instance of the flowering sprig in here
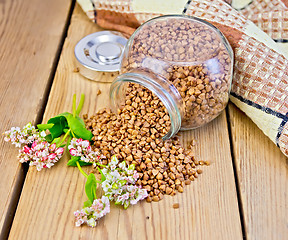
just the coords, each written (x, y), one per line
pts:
(27, 135)
(118, 184)
(41, 154)
(81, 148)
(90, 215)
(36, 150)
(44, 150)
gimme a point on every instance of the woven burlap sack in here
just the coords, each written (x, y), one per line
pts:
(260, 80)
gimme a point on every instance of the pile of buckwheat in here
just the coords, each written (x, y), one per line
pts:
(134, 135)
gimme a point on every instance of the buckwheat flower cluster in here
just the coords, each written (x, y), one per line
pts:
(119, 185)
(82, 148)
(25, 136)
(90, 215)
(40, 154)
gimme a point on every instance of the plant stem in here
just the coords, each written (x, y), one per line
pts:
(63, 139)
(81, 170)
(79, 108)
(101, 165)
(73, 134)
(68, 141)
(103, 178)
(74, 105)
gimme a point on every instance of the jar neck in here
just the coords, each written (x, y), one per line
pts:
(164, 90)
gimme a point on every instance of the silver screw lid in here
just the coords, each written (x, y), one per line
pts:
(100, 51)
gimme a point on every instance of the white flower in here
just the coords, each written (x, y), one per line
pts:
(91, 222)
(43, 134)
(90, 215)
(40, 154)
(119, 185)
(81, 148)
(27, 135)
(122, 165)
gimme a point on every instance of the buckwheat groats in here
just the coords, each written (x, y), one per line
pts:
(134, 135)
(256, 55)
(190, 54)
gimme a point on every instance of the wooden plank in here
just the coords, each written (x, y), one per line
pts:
(208, 207)
(262, 178)
(30, 35)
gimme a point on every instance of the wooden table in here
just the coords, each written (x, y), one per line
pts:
(242, 194)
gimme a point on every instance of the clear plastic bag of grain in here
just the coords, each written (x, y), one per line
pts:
(185, 58)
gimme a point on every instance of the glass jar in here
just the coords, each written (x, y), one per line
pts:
(186, 62)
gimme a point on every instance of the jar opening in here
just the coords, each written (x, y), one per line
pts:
(165, 91)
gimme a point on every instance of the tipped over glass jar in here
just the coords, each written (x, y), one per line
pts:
(186, 62)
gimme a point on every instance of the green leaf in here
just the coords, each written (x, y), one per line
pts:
(82, 163)
(74, 159)
(77, 126)
(65, 130)
(90, 187)
(81, 121)
(64, 121)
(103, 178)
(49, 138)
(60, 123)
(56, 140)
(43, 127)
(87, 204)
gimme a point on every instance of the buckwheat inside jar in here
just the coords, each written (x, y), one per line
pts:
(190, 55)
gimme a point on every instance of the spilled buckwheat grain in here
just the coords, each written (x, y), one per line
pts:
(134, 135)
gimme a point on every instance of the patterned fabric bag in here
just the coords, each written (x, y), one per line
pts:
(260, 80)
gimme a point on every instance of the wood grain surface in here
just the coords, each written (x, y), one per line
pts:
(262, 172)
(208, 208)
(30, 35)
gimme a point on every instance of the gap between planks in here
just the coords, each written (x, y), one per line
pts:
(241, 212)
(20, 178)
(261, 170)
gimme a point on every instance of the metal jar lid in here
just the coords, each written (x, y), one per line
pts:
(100, 51)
